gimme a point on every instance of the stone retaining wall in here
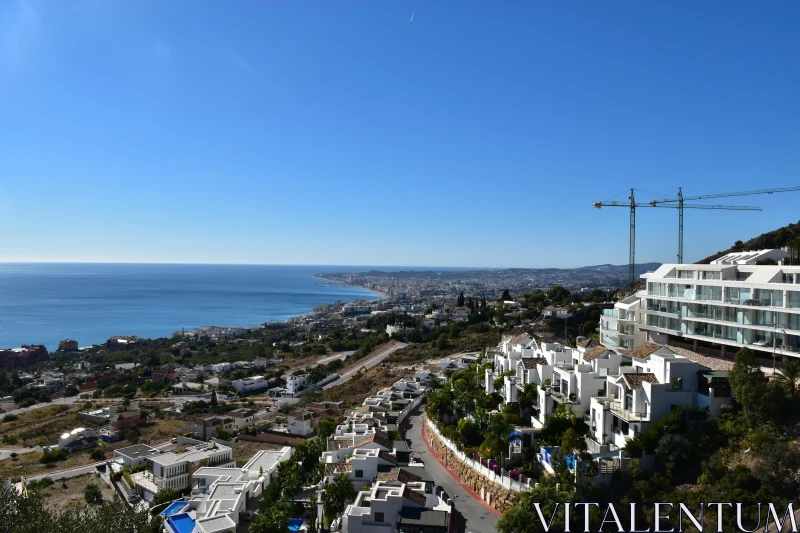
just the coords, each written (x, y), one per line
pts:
(492, 493)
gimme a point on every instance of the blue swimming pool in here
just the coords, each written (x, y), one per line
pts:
(295, 524)
(173, 508)
(181, 523)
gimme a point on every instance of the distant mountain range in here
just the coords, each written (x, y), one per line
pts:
(607, 276)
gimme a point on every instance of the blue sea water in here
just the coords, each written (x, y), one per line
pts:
(43, 303)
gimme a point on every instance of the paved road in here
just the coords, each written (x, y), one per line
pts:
(368, 363)
(5, 453)
(340, 356)
(58, 401)
(475, 516)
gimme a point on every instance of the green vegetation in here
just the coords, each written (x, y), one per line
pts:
(51, 456)
(28, 514)
(165, 496)
(336, 496)
(750, 454)
(92, 494)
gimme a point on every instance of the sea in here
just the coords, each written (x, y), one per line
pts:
(44, 303)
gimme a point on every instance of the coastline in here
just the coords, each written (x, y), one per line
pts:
(382, 294)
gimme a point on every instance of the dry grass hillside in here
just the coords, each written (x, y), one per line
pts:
(774, 239)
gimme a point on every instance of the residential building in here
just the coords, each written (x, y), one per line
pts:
(215, 382)
(243, 418)
(78, 439)
(209, 426)
(396, 506)
(296, 383)
(721, 307)
(658, 379)
(619, 327)
(251, 384)
(188, 387)
(175, 470)
(135, 456)
(302, 422)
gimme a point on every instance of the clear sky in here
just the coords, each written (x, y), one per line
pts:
(344, 132)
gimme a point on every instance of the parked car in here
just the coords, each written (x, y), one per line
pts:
(175, 441)
(134, 498)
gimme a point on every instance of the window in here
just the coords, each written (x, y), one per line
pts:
(677, 383)
(359, 473)
(379, 517)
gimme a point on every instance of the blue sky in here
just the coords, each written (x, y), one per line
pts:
(477, 134)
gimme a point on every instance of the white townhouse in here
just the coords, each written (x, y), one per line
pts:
(721, 307)
(396, 506)
(658, 379)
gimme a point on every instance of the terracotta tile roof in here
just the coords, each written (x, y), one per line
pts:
(414, 496)
(518, 338)
(386, 456)
(595, 352)
(587, 343)
(378, 438)
(644, 351)
(531, 362)
(398, 474)
(332, 469)
(714, 363)
(635, 380)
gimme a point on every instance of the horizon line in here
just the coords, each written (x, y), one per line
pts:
(3, 262)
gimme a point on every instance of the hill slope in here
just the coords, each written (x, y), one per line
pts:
(774, 239)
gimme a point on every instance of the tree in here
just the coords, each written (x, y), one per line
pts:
(164, 496)
(326, 428)
(92, 494)
(214, 401)
(789, 373)
(523, 518)
(748, 383)
(505, 296)
(336, 496)
(273, 517)
(290, 477)
(28, 514)
(460, 301)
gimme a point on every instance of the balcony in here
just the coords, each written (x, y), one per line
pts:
(565, 399)
(628, 416)
(611, 313)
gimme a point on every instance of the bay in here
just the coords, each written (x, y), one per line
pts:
(44, 303)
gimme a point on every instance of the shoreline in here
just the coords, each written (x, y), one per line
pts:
(286, 321)
(382, 294)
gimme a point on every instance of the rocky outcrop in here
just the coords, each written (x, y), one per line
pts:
(27, 355)
(495, 495)
(67, 345)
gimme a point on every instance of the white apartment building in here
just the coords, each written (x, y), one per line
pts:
(395, 506)
(723, 306)
(296, 383)
(659, 379)
(246, 385)
(619, 329)
(174, 470)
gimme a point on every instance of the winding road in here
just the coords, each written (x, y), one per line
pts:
(472, 514)
(372, 360)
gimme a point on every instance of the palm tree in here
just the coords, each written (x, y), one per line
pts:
(789, 373)
(337, 494)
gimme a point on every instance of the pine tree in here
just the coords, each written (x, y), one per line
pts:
(214, 398)
(460, 301)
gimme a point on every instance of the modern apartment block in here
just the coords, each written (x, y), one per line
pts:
(723, 306)
(619, 330)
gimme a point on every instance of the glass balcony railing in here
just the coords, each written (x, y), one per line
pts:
(611, 313)
(629, 416)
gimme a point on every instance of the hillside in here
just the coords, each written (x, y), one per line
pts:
(774, 239)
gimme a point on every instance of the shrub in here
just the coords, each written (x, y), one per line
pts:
(92, 494)
(40, 483)
(10, 418)
(97, 454)
(131, 435)
(51, 456)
